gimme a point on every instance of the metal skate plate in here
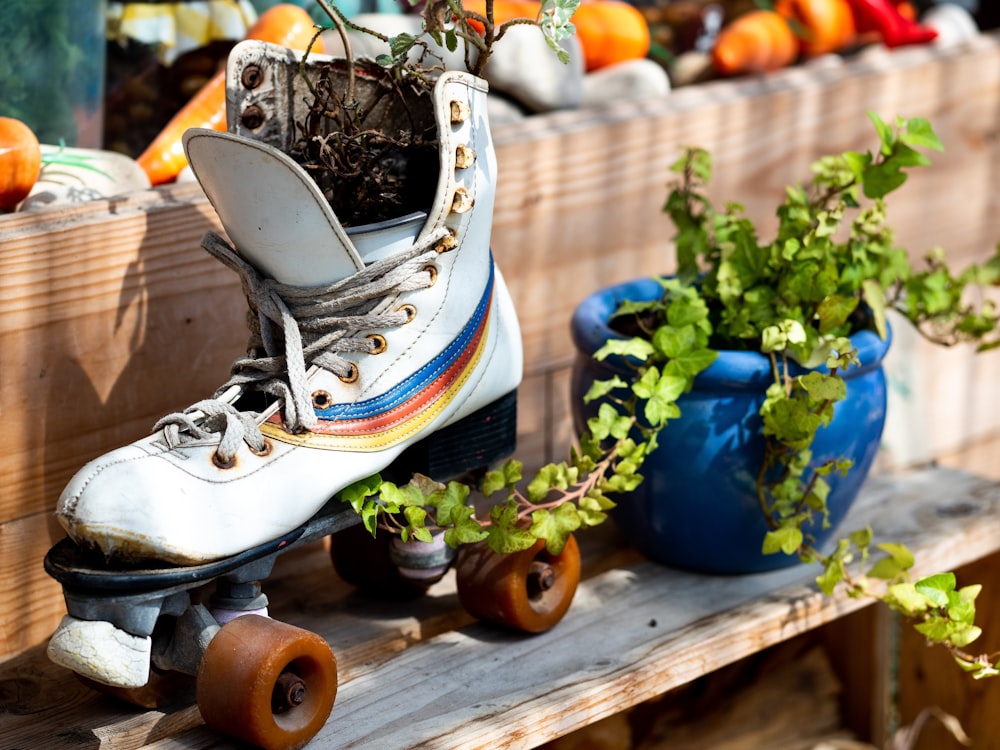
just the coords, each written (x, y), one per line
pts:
(81, 570)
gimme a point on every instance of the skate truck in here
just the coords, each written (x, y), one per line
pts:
(386, 348)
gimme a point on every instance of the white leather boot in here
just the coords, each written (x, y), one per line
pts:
(370, 342)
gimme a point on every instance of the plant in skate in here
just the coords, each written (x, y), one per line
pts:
(367, 171)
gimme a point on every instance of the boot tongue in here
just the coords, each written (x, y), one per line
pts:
(274, 214)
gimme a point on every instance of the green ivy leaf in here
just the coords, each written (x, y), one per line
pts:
(601, 388)
(636, 347)
(555, 526)
(834, 311)
(452, 504)
(936, 588)
(917, 132)
(875, 298)
(357, 492)
(905, 597)
(504, 535)
(823, 387)
(785, 539)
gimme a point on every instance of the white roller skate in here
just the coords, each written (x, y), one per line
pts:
(392, 346)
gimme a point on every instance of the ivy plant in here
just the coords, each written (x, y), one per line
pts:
(832, 267)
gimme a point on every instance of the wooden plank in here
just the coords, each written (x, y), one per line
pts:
(429, 678)
(101, 310)
(36, 604)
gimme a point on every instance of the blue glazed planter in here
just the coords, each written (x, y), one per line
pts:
(697, 505)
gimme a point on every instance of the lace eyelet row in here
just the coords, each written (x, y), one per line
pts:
(220, 463)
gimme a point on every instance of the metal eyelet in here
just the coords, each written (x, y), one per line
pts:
(465, 156)
(459, 111)
(265, 451)
(432, 271)
(221, 463)
(322, 400)
(461, 201)
(448, 242)
(410, 310)
(380, 343)
(352, 376)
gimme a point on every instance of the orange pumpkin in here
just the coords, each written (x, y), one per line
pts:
(20, 162)
(503, 11)
(756, 42)
(610, 31)
(824, 25)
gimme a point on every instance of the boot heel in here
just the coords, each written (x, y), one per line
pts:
(473, 443)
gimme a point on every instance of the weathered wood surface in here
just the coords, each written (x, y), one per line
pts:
(423, 675)
(111, 315)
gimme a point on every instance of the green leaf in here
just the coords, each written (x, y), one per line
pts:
(467, 530)
(917, 132)
(451, 505)
(609, 422)
(833, 573)
(823, 387)
(875, 298)
(886, 569)
(834, 311)
(885, 133)
(601, 388)
(905, 597)
(357, 492)
(900, 553)
(504, 535)
(936, 588)
(934, 629)
(555, 526)
(785, 539)
(963, 636)
(636, 347)
(882, 179)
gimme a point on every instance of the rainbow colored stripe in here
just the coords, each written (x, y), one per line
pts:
(408, 407)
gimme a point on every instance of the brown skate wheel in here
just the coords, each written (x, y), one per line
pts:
(528, 590)
(163, 690)
(364, 561)
(266, 682)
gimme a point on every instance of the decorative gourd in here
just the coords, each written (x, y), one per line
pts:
(610, 31)
(823, 26)
(20, 162)
(756, 42)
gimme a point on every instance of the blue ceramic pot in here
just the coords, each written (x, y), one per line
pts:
(697, 505)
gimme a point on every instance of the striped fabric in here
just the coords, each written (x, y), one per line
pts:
(406, 409)
(178, 27)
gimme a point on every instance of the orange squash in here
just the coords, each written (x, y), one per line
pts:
(285, 24)
(610, 31)
(503, 10)
(20, 162)
(756, 42)
(826, 25)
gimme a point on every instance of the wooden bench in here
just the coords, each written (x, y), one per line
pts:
(424, 675)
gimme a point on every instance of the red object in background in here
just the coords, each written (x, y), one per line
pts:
(906, 10)
(883, 18)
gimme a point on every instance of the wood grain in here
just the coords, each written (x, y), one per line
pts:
(423, 675)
